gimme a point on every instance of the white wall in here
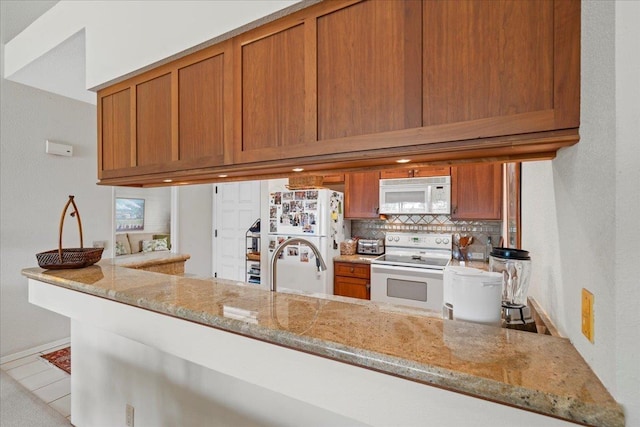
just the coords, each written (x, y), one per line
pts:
(195, 228)
(627, 289)
(33, 190)
(579, 211)
(173, 26)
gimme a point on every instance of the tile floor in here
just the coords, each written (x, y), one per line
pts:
(51, 384)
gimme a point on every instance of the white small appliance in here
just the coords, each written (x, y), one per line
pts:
(472, 295)
(411, 270)
(316, 215)
(370, 246)
(410, 196)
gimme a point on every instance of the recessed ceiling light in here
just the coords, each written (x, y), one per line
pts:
(297, 169)
(167, 180)
(403, 161)
(223, 175)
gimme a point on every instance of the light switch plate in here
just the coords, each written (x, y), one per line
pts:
(587, 314)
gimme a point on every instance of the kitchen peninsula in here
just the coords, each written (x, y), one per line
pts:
(139, 335)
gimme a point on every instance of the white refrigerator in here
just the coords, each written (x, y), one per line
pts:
(316, 215)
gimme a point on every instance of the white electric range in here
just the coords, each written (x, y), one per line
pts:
(411, 270)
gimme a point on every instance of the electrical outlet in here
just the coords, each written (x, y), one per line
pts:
(99, 243)
(476, 256)
(129, 420)
(587, 314)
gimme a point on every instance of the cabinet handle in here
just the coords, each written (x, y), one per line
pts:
(353, 269)
(368, 286)
(455, 209)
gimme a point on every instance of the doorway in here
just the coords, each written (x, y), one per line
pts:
(236, 205)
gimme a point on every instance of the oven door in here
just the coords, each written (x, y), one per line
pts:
(415, 287)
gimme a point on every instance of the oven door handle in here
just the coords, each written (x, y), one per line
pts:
(391, 269)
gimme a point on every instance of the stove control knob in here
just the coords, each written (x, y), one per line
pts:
(438, 240)
(389, 238)
(445, 241)
(396, 239)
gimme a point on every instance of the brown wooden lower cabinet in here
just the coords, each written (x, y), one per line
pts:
(352, 280)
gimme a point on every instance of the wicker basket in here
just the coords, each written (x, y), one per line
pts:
(81, 257)
(304, 182)
(348, 248)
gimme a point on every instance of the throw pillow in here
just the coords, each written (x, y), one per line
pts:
(166, 237)
(120, 249)
(154, 245)
(123, 239)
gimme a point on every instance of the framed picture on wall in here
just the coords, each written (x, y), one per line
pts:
(129, 214)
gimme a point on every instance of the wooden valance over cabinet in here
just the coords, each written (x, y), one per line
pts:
(353, 84)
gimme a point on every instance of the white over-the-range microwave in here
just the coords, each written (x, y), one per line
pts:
(408, 196)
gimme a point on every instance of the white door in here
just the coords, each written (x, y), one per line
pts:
(236, 205)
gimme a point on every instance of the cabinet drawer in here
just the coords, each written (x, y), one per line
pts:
(352, 287)
(350, 269)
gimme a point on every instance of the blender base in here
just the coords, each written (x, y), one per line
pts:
(518, 317)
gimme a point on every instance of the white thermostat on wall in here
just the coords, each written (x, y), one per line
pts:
(58, 149)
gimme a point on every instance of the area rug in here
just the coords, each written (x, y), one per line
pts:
(60, 358)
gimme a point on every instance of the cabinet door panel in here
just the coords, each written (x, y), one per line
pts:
(432, 171)
(153, 118)
(351, 287)
(476, 191)
(361, 194)
(369, 66)
(396, 173)
(487, 59)
(415, 173)
(273, 89)
(116, 130)
(201, 110)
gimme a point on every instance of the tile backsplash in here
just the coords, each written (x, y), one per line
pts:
(480, 230)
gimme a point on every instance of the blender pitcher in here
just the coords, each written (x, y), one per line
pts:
(515, 267)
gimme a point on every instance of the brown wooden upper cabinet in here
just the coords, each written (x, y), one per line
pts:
(500, 67)
(362, 193)
(357, 81)
(271, 86)
(205, 127)
(476, 191)
(153, 121)
(114, 131)
(369, 69)
(175, 117)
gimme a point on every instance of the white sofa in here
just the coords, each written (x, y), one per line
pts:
(135, 243)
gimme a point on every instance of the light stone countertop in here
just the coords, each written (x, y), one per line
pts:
(356, 259)
(534, 372)
(145, 259)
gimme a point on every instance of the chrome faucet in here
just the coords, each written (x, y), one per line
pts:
(274, 258)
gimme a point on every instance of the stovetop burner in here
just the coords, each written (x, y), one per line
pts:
(419, 250)
(412, 261)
